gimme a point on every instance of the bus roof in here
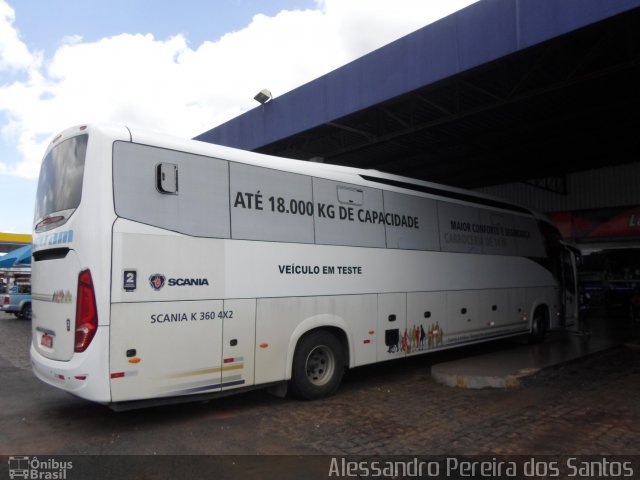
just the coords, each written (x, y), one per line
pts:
(356, 176)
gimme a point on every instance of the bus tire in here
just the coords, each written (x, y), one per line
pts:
(318, 365)
(538, 327)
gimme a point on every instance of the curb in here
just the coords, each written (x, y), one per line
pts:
(448, 373)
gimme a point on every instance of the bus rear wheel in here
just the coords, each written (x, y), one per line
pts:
(318, 365)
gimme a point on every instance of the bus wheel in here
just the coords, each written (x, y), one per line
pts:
(538, 328)
(318, 365)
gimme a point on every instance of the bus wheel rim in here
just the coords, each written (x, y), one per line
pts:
(320, 365)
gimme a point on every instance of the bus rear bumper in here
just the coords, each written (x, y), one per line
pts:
(82, 376)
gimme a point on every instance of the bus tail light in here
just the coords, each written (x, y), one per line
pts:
(86, 312)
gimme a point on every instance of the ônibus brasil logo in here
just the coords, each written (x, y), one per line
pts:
(27, 467)
(157, 281)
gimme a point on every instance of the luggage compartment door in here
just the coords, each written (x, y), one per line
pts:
(165, 349)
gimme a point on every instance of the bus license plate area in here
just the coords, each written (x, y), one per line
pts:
(46, 340)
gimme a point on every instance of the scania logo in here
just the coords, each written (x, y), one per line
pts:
(157, 281)
(183, 282)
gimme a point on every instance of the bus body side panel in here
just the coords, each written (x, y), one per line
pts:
(281, 322)
(392, 325)
(192, 268)
(427, 311)
(407, 323)
(518, 312)
(493, 307)
(238, 342)
(163, 349)
(462, 314)
(171, 331)
(281, 269)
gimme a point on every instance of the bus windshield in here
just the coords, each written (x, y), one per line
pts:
(60, 184)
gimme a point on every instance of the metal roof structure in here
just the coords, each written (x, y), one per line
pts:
(501, 91)
(11, 241)
(19, 257)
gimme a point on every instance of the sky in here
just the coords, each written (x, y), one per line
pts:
(176, 67)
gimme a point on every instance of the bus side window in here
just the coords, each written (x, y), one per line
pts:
(350, 195)
(347, 214)
(145, 189)
(270, 205)
(411, 222)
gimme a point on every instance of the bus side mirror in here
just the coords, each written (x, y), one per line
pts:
(167, 178)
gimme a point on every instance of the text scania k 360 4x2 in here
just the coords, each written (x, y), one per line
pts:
(167, 268)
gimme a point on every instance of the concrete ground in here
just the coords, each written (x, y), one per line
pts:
(507, 368)
(590, 405)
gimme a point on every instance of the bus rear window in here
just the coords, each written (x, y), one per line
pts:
(60, 183)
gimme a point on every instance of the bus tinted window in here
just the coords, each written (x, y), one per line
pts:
(347, 214)
(270, 205)
(60, 184)
(411, 222)
(200, 205)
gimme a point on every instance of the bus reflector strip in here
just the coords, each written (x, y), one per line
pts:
(233, 381)
(233, 359)
(132, 373)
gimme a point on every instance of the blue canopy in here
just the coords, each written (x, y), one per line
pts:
(20, 257)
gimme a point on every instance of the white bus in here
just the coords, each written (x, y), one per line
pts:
(168, 269)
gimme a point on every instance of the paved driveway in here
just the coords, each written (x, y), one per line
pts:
(591, 406)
